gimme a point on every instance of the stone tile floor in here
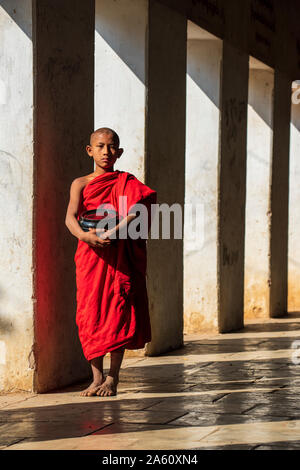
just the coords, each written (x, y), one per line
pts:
(230, 391)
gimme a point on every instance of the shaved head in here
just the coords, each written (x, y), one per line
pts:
(106, 130)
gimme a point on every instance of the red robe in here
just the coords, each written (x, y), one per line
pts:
(112, 302)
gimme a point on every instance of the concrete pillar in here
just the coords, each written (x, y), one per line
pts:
(232, 188)
(294, 203)
(120, 44)
(259, 150)
(16, 202)
(202, 147)
(64, 102)
(279, 197)
(165, 168)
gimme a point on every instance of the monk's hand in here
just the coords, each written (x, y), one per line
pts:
(93, 239)
(109, 235)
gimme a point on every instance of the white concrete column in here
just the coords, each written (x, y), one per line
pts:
(16, 195)
(294, 204)
(165, 168)
(259, 150)
(204, 54)
(279, 197)
(120, 46)
(232, 188)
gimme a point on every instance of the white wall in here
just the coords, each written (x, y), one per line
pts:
(202, 142)
(259, 148)
(294, 213)
(120, 76)
(16, 190)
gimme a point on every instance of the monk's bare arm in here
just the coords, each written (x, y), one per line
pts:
(71, 215)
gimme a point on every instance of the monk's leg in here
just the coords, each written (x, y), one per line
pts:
(109, 386)
(98, 377)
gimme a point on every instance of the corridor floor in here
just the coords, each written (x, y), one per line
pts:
(231, 391)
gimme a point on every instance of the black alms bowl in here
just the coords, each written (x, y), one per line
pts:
(90, 219)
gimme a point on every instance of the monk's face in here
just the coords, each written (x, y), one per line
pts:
(104, 150)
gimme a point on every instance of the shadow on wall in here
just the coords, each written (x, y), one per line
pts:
(201, 69)
(18, 11)
(257, 94)
(116, 28)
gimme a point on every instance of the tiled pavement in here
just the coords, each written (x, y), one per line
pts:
(232, 391)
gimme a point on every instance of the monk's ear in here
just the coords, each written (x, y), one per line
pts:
(120, 151)
(88, 149)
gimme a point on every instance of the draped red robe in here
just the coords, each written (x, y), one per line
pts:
(112, 302)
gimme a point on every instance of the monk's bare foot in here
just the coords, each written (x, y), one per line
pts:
(92, 389)
(109, 387)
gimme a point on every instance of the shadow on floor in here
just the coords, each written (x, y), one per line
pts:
(212, 385)
(165, 397)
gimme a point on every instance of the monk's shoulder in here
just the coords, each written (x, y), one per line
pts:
(81, 181)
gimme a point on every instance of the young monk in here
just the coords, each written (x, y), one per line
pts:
(112, 304)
